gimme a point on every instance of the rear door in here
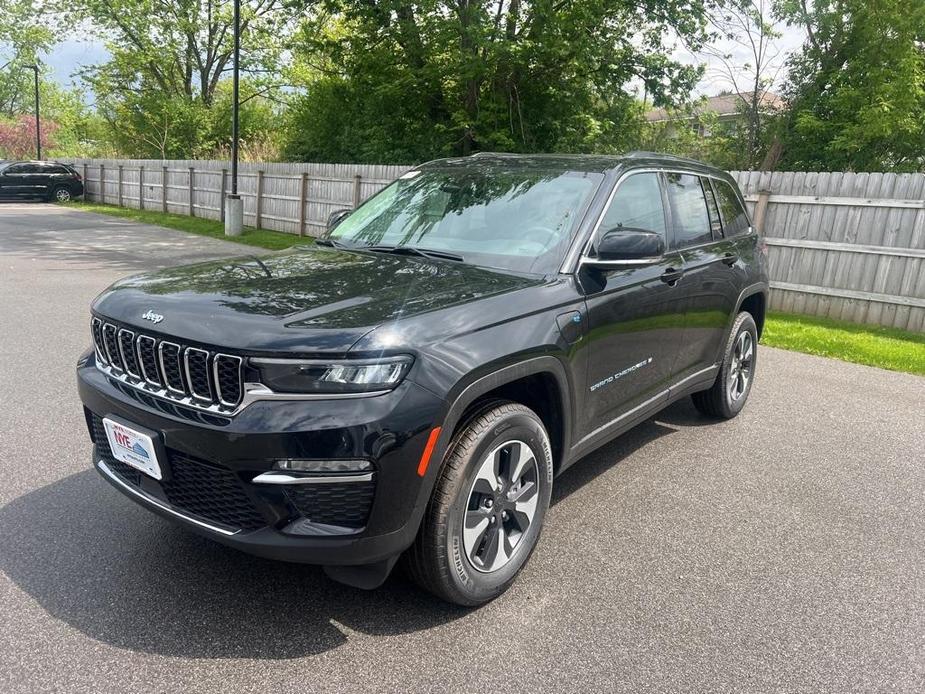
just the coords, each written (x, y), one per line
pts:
(48, 176)
(710, 272)
(635, 313)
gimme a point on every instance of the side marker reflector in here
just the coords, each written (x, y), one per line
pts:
(428, 451)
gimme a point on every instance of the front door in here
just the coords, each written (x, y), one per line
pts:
(635, 315)
(15, 181)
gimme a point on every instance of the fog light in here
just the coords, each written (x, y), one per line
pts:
(324, 467)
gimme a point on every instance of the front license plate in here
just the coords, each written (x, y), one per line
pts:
(132, 448)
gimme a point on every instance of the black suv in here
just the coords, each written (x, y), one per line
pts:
(48, 180)
(411, 385)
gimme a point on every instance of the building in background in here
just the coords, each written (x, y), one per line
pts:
(724, 113)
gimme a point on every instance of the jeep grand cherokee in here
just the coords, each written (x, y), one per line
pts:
(411, 385)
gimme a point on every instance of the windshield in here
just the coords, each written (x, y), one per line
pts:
(511, 219)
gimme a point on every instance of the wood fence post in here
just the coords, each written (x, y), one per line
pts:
(303, 195)
(86, 182)
(192, 210)
(356, 190)
(103, 183)
(164, 188)
(761, 208)
(259, 199)
(221, 200)
(120, 185)
(141, 187)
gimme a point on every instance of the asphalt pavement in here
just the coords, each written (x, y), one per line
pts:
(781, 551)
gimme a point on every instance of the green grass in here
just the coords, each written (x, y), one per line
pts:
(263, 238)
(887, 348)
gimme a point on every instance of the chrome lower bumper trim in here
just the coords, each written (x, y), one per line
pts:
(157, 502)
(285, 478)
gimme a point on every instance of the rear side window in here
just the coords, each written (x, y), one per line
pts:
(716, 224)
(55, 169)
(735, 219)
(689, 208)
(637, 204)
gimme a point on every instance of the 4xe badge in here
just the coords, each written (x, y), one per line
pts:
(152, 316)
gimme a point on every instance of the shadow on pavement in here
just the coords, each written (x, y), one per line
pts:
(117, 573)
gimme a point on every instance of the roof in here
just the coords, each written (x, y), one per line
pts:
(723, 105)
(590, 163)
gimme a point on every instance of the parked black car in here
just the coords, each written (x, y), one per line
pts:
(48, 180)
(411, 385)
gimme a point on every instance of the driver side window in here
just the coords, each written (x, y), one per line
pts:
(637, 204)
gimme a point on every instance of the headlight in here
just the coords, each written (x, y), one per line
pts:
(332, 376)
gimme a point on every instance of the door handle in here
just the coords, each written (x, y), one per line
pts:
(671, 276)
(731, 259)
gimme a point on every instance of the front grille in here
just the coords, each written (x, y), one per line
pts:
(196, 487)
(345, 504)
(193, 376)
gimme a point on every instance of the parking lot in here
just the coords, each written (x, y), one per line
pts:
(783, 550)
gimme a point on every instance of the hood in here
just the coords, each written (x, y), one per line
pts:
(311, 299)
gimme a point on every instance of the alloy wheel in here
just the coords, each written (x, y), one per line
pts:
(62, 195)
(501, 506)
(740, 368)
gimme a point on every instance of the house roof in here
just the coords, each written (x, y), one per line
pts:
(721, 105)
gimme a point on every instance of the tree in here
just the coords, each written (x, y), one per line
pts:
(168, 61)
(857, 87)
(17, 137)
(405, 81)
(748, 62)
(25, 31)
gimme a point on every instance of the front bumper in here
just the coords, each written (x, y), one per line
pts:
(211, 465)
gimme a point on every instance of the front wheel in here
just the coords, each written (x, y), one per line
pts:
(488, 506)
(727, 396)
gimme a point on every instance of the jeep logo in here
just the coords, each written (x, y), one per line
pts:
(152, 316)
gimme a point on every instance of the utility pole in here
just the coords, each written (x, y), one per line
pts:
(38, 122)
(234, 207)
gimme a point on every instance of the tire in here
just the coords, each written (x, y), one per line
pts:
(472, 568)
(61, 194)
(727, 396)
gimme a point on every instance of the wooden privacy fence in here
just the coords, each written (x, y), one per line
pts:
(843, 245)
(294, 198)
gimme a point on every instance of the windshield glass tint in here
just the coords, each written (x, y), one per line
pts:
(511, 219)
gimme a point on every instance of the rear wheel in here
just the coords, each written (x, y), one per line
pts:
(61, 194)
(487, 509)
(727, 396)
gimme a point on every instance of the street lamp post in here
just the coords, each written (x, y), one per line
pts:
(234, 207)
(38, 123)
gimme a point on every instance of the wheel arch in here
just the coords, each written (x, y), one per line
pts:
(540, 383)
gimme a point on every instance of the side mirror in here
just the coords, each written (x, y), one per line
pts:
(629, 244)
(337, 217)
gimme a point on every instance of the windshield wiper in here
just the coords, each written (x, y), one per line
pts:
(333, 243)
(412, 250)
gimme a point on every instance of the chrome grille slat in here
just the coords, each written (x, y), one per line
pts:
(111, 343)
(226, 369)
(169, 353)
(126, 341)
(147, 357)
(196, 365)
(96, 329)
(190, 376)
